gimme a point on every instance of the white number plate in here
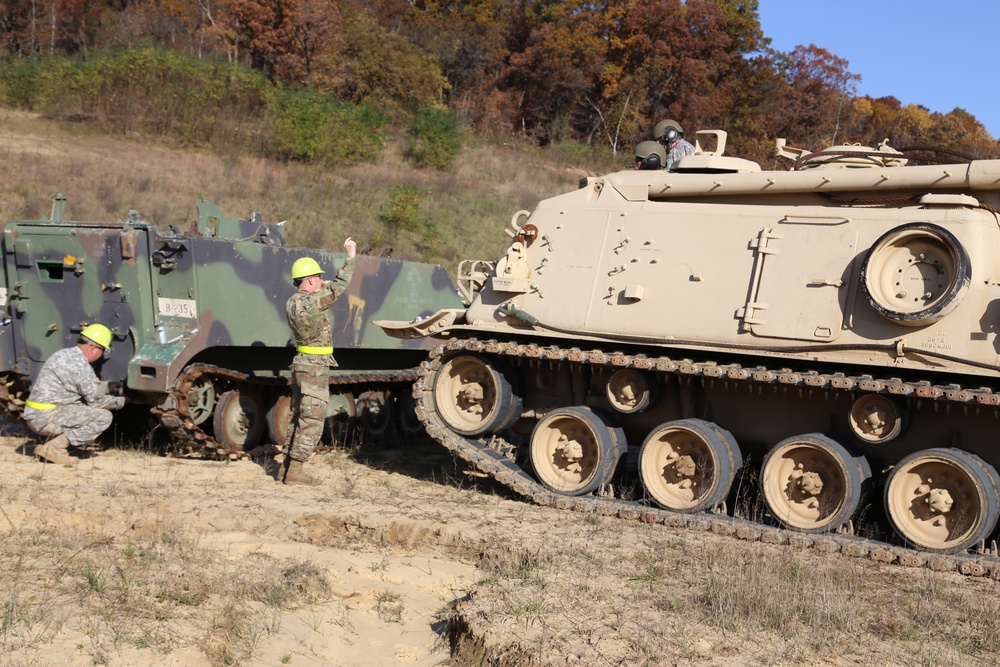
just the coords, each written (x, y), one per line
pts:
(178, 308)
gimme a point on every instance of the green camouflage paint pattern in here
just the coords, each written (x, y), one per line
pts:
(215, 294)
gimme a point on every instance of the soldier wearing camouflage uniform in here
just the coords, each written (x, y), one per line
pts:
(671, 136)
(67, 402)
(306, 311)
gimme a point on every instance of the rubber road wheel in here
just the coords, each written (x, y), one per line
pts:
(942, 500)
(688, 465)
(475, 397)
(201, 400)
(812, 484)
(575, 450)
(375, 409)
(916, 274)
(279, 417)
(239, 419)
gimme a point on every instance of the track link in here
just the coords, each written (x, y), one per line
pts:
(493, 455)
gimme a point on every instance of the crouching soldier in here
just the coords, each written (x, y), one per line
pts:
(67, 402)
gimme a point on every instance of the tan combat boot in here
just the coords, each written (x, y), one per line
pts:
(292, 473)
(54, 451)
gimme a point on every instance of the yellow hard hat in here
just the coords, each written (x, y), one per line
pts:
(305, 267)
(98, 333)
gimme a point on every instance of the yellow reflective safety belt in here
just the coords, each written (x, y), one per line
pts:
(313, 349)
(40, 406)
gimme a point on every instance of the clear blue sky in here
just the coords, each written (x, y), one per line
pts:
(941, 55)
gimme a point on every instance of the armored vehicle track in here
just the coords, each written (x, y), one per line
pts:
(504, 456)
(232, 404)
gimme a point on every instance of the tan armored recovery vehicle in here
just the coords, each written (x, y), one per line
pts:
(833, 325)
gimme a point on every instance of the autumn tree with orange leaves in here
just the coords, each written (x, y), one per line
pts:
(285, 38)
(546, 70)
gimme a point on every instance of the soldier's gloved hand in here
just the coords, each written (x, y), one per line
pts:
(125, 401)
(116, 388)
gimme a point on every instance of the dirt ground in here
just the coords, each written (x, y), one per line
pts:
(401, 557)
(391, 561)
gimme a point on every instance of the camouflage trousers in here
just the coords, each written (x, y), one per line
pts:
(310, 396)
(80, 423)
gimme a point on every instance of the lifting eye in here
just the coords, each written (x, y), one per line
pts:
(527, 234)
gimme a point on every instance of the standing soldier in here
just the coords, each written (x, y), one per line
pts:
(306, 311)
(67, 402)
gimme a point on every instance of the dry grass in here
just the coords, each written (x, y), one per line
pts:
(669, 601)
(466, 208)
(147, 588)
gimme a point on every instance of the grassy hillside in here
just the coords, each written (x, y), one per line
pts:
(435, 216)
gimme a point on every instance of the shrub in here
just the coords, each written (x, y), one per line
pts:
(311, 126)
(433, 138)
(194, 101)
(20, 82)
(405, 213)
(148, 90)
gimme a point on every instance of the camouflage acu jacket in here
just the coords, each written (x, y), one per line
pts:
(680, 149)
(307, 316)
(66, 379)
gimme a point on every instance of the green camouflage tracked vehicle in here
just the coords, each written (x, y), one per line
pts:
(198, 322)
(834, 326)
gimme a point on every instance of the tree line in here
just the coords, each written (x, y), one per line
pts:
(549, 71)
